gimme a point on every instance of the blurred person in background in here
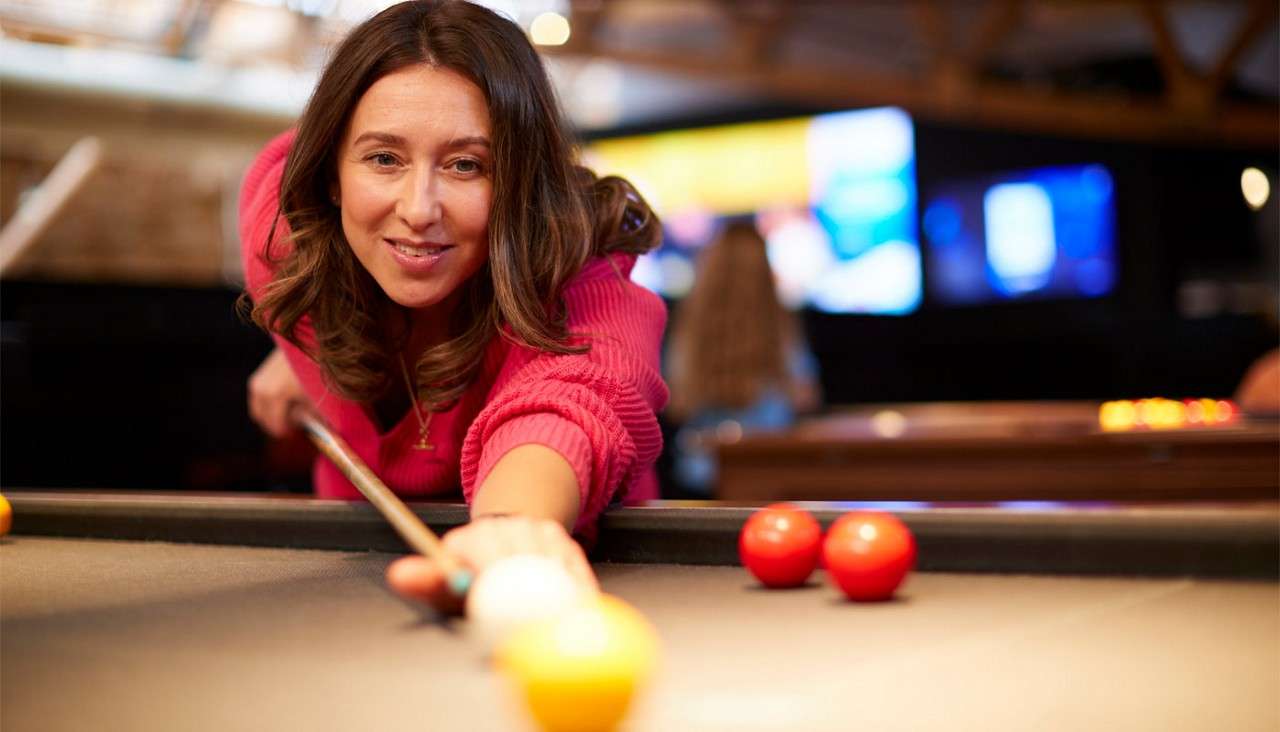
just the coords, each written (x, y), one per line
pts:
(737, 360)
(1259, 390)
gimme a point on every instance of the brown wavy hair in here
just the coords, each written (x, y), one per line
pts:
(548, 215)
(730, 335)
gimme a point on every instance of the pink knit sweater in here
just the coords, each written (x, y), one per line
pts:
(597, 409)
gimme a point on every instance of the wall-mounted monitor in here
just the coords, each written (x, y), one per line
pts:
(834, 195)
(1046, 233)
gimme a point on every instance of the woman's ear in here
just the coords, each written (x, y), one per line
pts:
(335, 195)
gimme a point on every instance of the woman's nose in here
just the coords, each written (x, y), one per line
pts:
(420, 201)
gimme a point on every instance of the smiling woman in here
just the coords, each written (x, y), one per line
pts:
(450, 291)
(414, 187)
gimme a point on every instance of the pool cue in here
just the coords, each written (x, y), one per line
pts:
(47, 199)
(405, 522)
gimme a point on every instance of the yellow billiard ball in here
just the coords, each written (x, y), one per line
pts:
(6, 516)
(579, 671)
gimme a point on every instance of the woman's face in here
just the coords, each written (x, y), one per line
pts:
(414, 184)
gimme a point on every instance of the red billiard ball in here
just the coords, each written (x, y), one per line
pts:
(868, 553)
(780, 544)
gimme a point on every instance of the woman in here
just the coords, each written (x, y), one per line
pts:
(737, 359)
(449, 290)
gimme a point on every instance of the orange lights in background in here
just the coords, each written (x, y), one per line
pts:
(1159, 413)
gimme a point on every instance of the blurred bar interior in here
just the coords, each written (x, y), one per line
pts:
(973, 202)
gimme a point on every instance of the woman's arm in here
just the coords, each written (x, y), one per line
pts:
(530, 480)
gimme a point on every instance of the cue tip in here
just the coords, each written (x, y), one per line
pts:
(460, 582)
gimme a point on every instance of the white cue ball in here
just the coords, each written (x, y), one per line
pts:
(514, 591)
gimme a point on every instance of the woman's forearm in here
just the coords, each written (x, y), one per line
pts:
(530, 480)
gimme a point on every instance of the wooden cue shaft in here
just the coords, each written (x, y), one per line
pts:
(409, 526)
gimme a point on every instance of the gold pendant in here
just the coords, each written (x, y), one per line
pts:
(423, 444)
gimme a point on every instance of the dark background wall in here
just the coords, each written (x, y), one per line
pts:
(128, 387)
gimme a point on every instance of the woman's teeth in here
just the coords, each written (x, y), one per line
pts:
(417, 251)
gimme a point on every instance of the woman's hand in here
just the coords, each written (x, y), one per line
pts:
(273, 388)
(481, 543)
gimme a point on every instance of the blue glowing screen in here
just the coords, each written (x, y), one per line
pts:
(1047, 233)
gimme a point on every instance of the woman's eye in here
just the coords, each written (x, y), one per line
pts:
(466, 165)
(385, 160)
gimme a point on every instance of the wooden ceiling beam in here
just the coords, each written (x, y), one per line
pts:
(999, 19)
(1262, 13)
(987, 103)
(1184, 89)
(955, 68)
(585, 16)
(756, 29)
(934, 28)
(944, 67)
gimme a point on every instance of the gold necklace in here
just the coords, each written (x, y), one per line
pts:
(424, 423)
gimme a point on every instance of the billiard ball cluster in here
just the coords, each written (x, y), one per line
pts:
(867, 554)
(578, 657)
(575, 656)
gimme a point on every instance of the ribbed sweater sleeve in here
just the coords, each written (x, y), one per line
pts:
(597, 409)
(259, 208)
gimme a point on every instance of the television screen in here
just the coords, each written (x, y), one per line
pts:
(834, 196)
(1037, 234)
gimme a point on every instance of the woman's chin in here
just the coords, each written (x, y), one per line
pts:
(414, 300)
(419, 303)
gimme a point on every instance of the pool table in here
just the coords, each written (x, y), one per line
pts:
(994, 451)
(229, 612)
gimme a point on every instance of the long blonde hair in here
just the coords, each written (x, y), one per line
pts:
(731, 335)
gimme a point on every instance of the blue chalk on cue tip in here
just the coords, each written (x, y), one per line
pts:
(460, 582)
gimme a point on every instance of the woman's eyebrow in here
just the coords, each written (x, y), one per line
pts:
(385, 138)
(467, 141)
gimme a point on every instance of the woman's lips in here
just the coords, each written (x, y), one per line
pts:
(417, 257)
